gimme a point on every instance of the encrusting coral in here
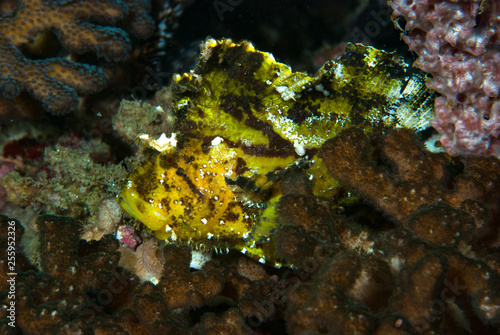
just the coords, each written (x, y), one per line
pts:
(82, 288)
(80, 27)
(74, 180)
(420, 177)
(458, 43)
(444, 217)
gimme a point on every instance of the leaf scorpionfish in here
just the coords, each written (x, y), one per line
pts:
(243, 122)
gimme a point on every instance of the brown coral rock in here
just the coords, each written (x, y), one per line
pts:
(61, 259)
(323, 306)
(306, 236)
(420, 176)
(424, 284)
(231, 322)
(58, 300)
(441, 224)
(180, 287)
(446, 292)
(80, 28)
(155, 317)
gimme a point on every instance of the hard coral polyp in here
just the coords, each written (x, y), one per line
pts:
(182, 288)
(80, 27)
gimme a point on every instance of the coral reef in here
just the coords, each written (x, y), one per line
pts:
(82, 288)
(27, 31)
(404, 242)
(443, 217)
(433, 268)
(420, 177)
(413, 271)
(457, 42)
(72, 180)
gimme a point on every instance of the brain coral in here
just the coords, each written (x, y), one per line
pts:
(80, 27)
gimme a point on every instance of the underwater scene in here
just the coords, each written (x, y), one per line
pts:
(249, 167)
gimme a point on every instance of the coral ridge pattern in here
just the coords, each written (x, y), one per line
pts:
(380, 236)
(80, 27)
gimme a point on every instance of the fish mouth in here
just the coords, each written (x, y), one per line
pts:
(154, 218)
(125, 205)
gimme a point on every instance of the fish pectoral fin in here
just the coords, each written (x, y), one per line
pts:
(275, 176)
(264, 187)
(259, 244)
(256, 189)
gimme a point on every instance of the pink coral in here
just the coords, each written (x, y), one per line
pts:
(458, 43)
(128, 237)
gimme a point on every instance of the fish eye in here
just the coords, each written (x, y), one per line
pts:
(169, 160)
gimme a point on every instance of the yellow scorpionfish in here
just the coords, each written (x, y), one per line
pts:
(243, 121)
